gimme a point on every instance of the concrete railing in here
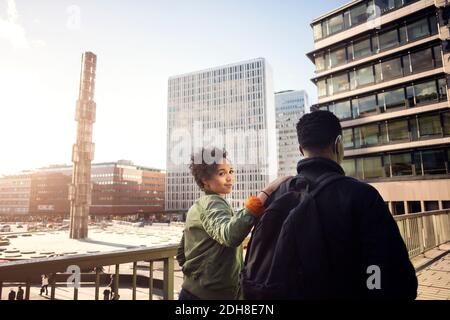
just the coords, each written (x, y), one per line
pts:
(29, 272)
(424, 231)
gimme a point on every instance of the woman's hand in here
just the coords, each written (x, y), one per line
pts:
(271, 187)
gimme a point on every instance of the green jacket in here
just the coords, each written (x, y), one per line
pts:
(213, 255)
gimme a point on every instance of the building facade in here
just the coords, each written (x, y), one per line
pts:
(382, 67)
(15, 192)
(290, 106)
(230, 106)
(118, 188)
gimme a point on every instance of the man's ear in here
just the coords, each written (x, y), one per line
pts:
(339, 148)
(301, 151)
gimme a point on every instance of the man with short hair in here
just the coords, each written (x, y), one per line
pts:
(366, 253)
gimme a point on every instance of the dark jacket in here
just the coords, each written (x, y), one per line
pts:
(211, 252)
(360, 232)
(20, 294)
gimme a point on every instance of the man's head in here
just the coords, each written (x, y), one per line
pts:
(320, 135)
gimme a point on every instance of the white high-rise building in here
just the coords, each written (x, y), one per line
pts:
(232, 107)
(290, 106)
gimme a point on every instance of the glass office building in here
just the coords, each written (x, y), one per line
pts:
(382, 68)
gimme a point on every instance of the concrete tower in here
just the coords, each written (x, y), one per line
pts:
(83, 150)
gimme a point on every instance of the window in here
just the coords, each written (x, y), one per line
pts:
(387, 5)
(322, 88)
(433, 162)
(392, 99)
(342, 110)
(437, 53)
(324, 27)
(403, 35)
(391, 69)
(418, 29)
(398, 130)
(365, 106)
(401, 164)
(433, 24)
(414, 127)
(442, 86)
(317, 31)
(335, 24)
(414, 207)
(360, 49)
(366, 136)
(421, 60)
(431, 205)
(348, 138)
(398, 208)
(425, 92)
(388, 40)
(337, 57)
(358, 14)
(340, 83)
(349, 167)
(363, 76)
(320, 62)
(430, 126)
(446, 123)
(406, 65)
(373, 168)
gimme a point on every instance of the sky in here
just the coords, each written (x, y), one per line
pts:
(139, 45)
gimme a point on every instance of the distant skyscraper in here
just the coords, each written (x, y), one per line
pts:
(289, 107)
(230, 106)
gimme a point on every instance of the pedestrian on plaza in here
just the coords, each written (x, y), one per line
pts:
(112, 286)
(20, 293)
(12, 295)
(44, 284)
(106, 294)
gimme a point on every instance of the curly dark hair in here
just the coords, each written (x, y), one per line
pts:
(204, 164)
(318, 130)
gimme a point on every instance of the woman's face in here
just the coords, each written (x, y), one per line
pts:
(222, 181)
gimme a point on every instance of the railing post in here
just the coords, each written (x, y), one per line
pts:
(53, 286)
(116, 283)
(97, 282)
(134, 279)
(436, 227)
(168, 278)
(150, 281)
(420, 232)
(27, 290)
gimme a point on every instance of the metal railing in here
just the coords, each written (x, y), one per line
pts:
(29, 272)
(424, 231)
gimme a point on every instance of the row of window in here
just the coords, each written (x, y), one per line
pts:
(220, 101)
(383, 70)
(409, 96)
(217, 72)
(411, 163)
(23, 210)
(364, 12)
(375, 44)
(398, 130)
(398, 207)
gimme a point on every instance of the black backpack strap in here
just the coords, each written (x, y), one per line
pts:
(299, 182)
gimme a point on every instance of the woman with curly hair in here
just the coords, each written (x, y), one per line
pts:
(210, 252)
